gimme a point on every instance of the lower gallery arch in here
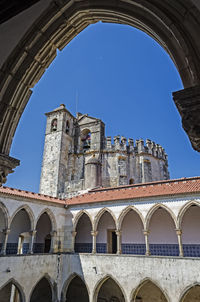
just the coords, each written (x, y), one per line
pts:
(42, 291)
(133, 241)
(83, 240)
(110, 292)
(149, 292)
(106, 236)
(162, 235)
(190, 231)
(77, 291)
(2, 228)
(192, 295)
(43, 234)
(10, 293)
(19, 236)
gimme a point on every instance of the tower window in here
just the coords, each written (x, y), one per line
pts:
(54, 125)
(86, 139)
(67, 127)
(131, 181)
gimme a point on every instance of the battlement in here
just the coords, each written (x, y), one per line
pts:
(122, 144)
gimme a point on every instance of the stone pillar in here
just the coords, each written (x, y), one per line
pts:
(7, 164)
(73, 240)
(179, 235)
(188, 104)
(32, 234)
(4, 246)
(94, 241)
(146, 235)
(119, 243)
(53, 236)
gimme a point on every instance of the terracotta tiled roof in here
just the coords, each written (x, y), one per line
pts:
(153, 189)
(30, 195)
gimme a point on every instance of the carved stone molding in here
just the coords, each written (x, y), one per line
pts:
(7, 164)
(188, 104)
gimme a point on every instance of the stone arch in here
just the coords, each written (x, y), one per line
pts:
(148, 281)
(51, 217)
(100, 284)
(100, 214)
(125, 211)
(28, 211)
(184, 208)
(153, 210)
(189, 224)
(60, 23)
(17, 285)
(83, 230)
(162, 225)
(45, 280)
(5, 213)
(186, 296)
(67, 283)
(131, 225)
(21, 224)
(78, 216)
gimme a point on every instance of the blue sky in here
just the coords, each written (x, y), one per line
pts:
(121, 76)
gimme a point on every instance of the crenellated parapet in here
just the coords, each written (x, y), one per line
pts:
(121, 144)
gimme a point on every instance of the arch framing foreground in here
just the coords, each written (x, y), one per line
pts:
(174, 26)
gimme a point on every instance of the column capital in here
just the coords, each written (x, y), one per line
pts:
(53, 233)
(33, 232)
(187, 102)
(73, 234)
(146, 232)
(7, 164)
(118, 232)
(178, 232)
(94, 233)
(6, 231)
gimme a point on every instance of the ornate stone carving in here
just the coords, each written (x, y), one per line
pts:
(7, 164)
(188, 104)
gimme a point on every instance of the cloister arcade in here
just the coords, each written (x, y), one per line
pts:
(160, 233)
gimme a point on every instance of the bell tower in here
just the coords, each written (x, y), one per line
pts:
(59, 142)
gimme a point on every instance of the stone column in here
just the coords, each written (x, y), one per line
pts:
(146, 235)
(188, 104)
(32, 234)
(7, 164)
(4, 246)
(119, 244)
(94, 241)
(73, 240)
(179, 235)
(53, 236)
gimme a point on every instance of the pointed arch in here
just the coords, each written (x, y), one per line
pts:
(136, 291)
(5, 213)
(68, 282)
(187, 291)
(100, 283)
(51, 217)
(78, 216)
(100, 214)
(184, 209)
(45, 280)
(28, 211)
(18, 286)
(83, 228)
(125, 212)
(154, 209)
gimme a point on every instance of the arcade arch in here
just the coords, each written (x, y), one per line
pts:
(76, 291)
(192, 294)
(149, 291)
(42, 291)
(61, 22)
(109, 290)
(43, 237)
(19, 236)
(83, 239)
(163, 239)
(190, 225)
(3, 226)
(11, 292)
(106, 240)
